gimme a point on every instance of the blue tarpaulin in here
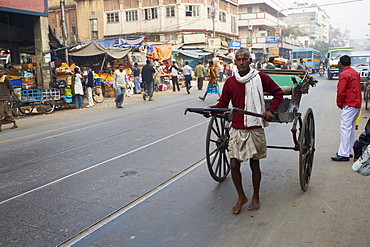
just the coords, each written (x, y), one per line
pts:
(103, 43)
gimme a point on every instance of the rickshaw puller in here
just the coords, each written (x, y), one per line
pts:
(247, 140)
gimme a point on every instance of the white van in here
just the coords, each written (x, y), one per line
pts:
(360, 61)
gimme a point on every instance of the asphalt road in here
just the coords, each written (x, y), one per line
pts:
(139, 173)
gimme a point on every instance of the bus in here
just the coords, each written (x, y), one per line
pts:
(310, 56)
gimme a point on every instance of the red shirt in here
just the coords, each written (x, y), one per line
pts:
(235, 91)
(349, 88)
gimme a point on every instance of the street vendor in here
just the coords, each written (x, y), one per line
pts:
(247, 141)
(6, 91)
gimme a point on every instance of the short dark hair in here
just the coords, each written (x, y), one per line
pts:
(119, 65)
(271, 59)
(345, 60)
(186, 62)
(147, 61)
(136, 63)
(210, 62)
(199, 61)
(76, 70)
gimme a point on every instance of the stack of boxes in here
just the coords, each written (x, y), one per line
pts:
(23, 72)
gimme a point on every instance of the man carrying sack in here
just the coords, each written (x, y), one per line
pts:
(6, 91)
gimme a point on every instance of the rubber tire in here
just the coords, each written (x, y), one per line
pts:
(330, 75)
(47, 105)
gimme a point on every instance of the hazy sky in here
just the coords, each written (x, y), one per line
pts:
(354, 16)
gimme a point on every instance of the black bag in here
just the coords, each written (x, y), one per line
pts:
(58, 84)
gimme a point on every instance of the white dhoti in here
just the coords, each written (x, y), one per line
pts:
(245, 144)
(347, 130)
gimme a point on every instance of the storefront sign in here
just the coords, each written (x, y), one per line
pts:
(235, 44)
(214, 43)
(273, 40)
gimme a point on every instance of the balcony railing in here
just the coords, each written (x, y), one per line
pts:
(258, 19)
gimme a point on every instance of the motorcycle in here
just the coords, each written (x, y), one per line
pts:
(321, 71)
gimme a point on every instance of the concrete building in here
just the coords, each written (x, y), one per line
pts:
(70, 17)
(312, 20)
(257, 22)
(160, 21)
(24, 27)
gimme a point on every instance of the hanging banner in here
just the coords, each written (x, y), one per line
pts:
(214, 43)
(234, 44)
(278, 32)
(249, 42)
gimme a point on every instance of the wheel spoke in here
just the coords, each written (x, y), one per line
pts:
(215, 156)
(215, 132)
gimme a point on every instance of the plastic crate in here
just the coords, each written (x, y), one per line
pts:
(31, 95)
(52, 92)
(16, 83)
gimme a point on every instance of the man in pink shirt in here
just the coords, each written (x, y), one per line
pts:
(247, 139)
(349, 99)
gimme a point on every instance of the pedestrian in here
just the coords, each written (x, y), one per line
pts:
(270, 64)
(6, 91)
(362, 142)
(221, 69)
(89, 85)
(212, 86)
(136, 73)
(174, 70)
(130, 84)
(349, 99)
(247, 140)
(187, 71)
(120, 84)
(302, 65)
(79, 91)
(200, 73)
(147, 75)
(161, 72)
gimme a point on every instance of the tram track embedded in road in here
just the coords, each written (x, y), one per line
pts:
(102, 163)
(102, 222)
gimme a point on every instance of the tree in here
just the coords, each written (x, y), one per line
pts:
(322, 47)
(291, 31)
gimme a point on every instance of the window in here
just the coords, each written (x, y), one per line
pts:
(131, 15)
(233, 24)
(150, 14)
(192, 10)
(249, 10)
(222, 16)
(74, 30)
(170, 11)
(94, 28)
(112, 17)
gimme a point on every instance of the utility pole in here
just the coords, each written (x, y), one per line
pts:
(64, 29)
(213, 15)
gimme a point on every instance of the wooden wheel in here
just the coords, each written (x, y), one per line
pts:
(307, 149)
(216, 148)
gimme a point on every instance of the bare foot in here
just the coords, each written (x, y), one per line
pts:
(255, 205)
(238, 206)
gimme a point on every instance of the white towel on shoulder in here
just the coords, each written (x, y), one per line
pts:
(254, 99)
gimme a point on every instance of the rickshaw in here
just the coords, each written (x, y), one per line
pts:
(294, 84)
